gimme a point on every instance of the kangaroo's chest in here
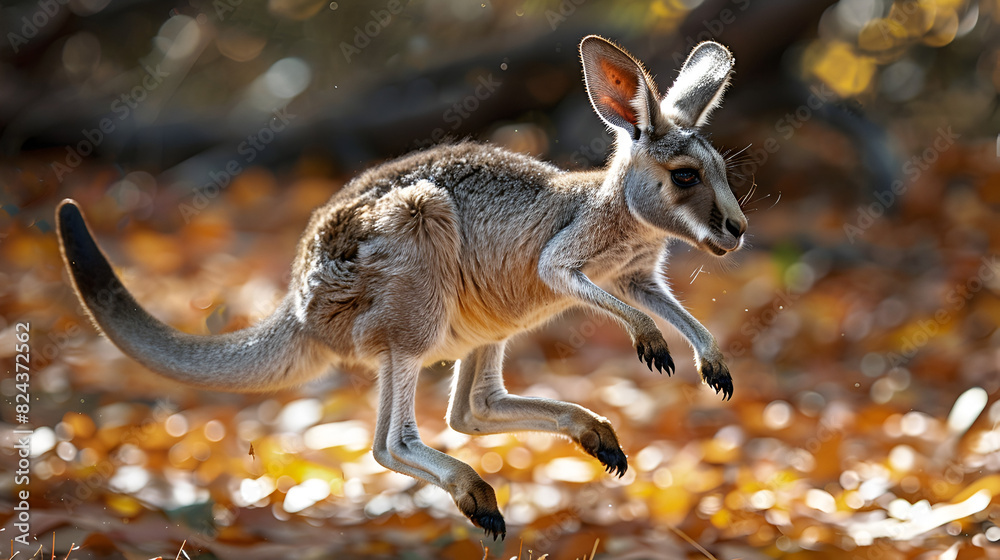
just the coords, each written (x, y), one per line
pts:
(616, 257)
(489, 310)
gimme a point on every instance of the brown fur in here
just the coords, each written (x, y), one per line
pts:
(447, 253)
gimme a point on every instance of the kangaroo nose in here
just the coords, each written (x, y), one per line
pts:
(735, 228)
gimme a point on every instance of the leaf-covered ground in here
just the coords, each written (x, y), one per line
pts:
(863, 423)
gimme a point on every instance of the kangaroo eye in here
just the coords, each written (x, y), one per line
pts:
(685, 177)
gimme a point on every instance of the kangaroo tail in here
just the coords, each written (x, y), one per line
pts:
(275, 353)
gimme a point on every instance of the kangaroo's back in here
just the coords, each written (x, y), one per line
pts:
(488, 185)
(504, 207)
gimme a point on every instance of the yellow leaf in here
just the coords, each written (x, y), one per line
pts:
(840, 67)
(124, 505)
(722, 519)
(640, 489)
(944, 29)
(881, 35)
(80, 424)
(990, 483)
(670, 504)
(917, 17)
(503, 495)
(703, 480)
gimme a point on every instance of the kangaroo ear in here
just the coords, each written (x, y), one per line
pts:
(620, 90)
(699, 87)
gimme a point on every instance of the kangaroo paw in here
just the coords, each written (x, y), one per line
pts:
(716, 375)
(602, 443)
(479, 504)
(653, 350)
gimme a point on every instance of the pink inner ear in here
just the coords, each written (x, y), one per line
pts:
(622, 86)
(624, 110)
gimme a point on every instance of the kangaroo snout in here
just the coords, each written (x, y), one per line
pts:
(735, 228)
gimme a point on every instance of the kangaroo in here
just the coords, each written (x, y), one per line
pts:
(445, 254)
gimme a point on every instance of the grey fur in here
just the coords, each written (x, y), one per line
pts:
(446, 254)
(698, 89)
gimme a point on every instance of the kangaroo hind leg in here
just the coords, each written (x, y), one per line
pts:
(480, 404)
(412, 262)
(398, 447)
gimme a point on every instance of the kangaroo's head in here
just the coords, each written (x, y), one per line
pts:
(673, 179)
